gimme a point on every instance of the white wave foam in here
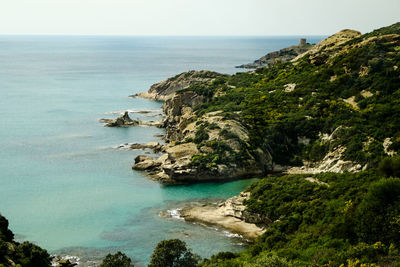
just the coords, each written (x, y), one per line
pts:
(228, 234)
(174, 213)
(126, 146)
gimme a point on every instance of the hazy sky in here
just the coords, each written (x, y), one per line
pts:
(195, 17)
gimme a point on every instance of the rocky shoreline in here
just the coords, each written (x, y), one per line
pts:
(229, 214)
(176, 164)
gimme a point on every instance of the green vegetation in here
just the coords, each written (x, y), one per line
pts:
(173, 253)
(277, 118)
(19, 254)
(390, 166)
(201, 134)
(338, 219)
(118, 259)
(350, 98)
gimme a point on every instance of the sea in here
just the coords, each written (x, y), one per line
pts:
(65, 183)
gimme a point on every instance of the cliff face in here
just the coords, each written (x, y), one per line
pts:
(182, 156)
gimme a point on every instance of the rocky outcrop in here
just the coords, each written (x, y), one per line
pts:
(165, 90)
(65, 263)
(283, 55)
(332, 161)
(230, 214)
(125, 121)
(155, 146)
(145, 162)
(182, 125)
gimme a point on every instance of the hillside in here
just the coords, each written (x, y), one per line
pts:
(343, 99)
(335, 108)
(330, 120)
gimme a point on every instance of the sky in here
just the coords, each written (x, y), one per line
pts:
(195, 17)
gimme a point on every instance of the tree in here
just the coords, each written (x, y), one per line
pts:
(390, 166)
(5, 233)
(173, 253)
(119, 259)
(378, 217)
(31, 255)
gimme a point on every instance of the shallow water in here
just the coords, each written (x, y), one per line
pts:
(63, 183)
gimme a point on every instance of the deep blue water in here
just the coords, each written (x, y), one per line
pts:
(62, 181)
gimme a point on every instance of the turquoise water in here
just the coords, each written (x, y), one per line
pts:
(62, 181)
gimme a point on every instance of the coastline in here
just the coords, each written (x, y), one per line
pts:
(212, 215)
(228, 214)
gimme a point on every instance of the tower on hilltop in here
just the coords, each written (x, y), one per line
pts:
(303, 42)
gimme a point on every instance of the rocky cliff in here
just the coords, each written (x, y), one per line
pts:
(165, 90)
(183, 153)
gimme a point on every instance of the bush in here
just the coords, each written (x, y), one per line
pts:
(173, 253)
(201, 135)
(378, 215)
(119, 259)
(390, 166)
(5, 233)
(30, 255)
(270, 260)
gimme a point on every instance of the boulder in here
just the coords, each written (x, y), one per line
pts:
(66, 263)
(141, 158)
(146, 165)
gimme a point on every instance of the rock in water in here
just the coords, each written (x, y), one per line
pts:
(122, 121)
(66, 263)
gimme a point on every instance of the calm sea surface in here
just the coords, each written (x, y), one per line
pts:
(63, 183)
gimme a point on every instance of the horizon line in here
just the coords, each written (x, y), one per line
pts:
(155, 35)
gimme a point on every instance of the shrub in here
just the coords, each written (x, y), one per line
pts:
(201, 135)
(378, 215)
(119, 259)
(173, 253)
(390, 166)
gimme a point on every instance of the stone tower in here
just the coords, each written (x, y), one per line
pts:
(303, 42)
